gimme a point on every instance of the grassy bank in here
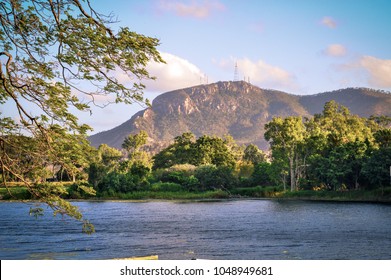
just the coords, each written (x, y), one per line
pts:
(20, 192)
(14, 193)
(357, 195)
(167, 195)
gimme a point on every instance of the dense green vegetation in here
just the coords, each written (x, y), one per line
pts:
(334, 155)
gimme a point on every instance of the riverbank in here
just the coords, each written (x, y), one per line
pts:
(19, 192)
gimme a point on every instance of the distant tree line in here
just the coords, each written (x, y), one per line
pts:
(188, 164)
(333, 150)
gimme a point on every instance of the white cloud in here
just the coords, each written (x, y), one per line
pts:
(262, 74)
(379, 70)
(371, 70)
(335, 50)
(329, 22)
(194, 9)
(175, 74)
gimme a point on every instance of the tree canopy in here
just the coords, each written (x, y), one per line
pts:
(205, 150)
(334, 149)
(57, 57)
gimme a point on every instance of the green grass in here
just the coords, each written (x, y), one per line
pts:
(14, 193)
(172, 191)
(359, 195)
(167, 195)
(260, 192)
(18, 191)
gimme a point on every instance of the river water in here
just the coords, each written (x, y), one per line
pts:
(237, 229)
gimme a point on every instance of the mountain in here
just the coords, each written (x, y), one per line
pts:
(236, 108)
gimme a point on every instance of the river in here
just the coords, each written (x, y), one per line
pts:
(237, 229)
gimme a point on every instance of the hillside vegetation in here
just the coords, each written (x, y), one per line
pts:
(235, 108)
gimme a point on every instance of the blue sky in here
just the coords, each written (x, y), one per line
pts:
(301, 47)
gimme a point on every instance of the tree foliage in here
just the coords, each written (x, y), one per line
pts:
(334, 149)
(376, 168)
(133, 143)
(286, 138)
(57, 57)
(205, 150)
(253, 154)
(215, 177)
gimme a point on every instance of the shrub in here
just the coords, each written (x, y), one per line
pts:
(185, 169)
(166, 187)
(244, 169)
(212, 177)
(262, 174)
(182, 174)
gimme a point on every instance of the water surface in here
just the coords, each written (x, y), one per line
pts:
(242, 229)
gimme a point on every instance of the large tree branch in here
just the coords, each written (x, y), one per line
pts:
(97, 23)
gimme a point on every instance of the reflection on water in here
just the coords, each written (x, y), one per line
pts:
(243, 229)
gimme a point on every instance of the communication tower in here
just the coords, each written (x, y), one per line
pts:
(236, 73)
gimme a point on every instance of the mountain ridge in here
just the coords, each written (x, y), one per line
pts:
(236, 108)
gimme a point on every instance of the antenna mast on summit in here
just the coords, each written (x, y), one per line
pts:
(236, 73)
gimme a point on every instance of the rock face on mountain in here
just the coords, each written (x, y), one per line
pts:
(236, 108)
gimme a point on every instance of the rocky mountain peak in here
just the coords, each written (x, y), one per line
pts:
(236, 108)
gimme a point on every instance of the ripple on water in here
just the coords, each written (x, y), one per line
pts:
(253, 229)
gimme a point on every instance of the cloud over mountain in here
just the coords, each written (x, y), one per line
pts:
(379, 70)
(176, 73)
(262, 74)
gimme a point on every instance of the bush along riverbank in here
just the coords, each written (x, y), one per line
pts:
(173, 191)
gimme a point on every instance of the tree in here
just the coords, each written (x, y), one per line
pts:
(56, 57)
(383, 137)
(337, 142)
(339, 126)
(212, 177)
(133, 143)
(253, 154)
(263, 174)
(287, 137)
(109, 156)
(212, 150)
(184, 148)
(236, 150)
(377, 168)
(205, 150)
(180, 152)
(382, 121)
(107, 160)
(74, 153)
(341, 168)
